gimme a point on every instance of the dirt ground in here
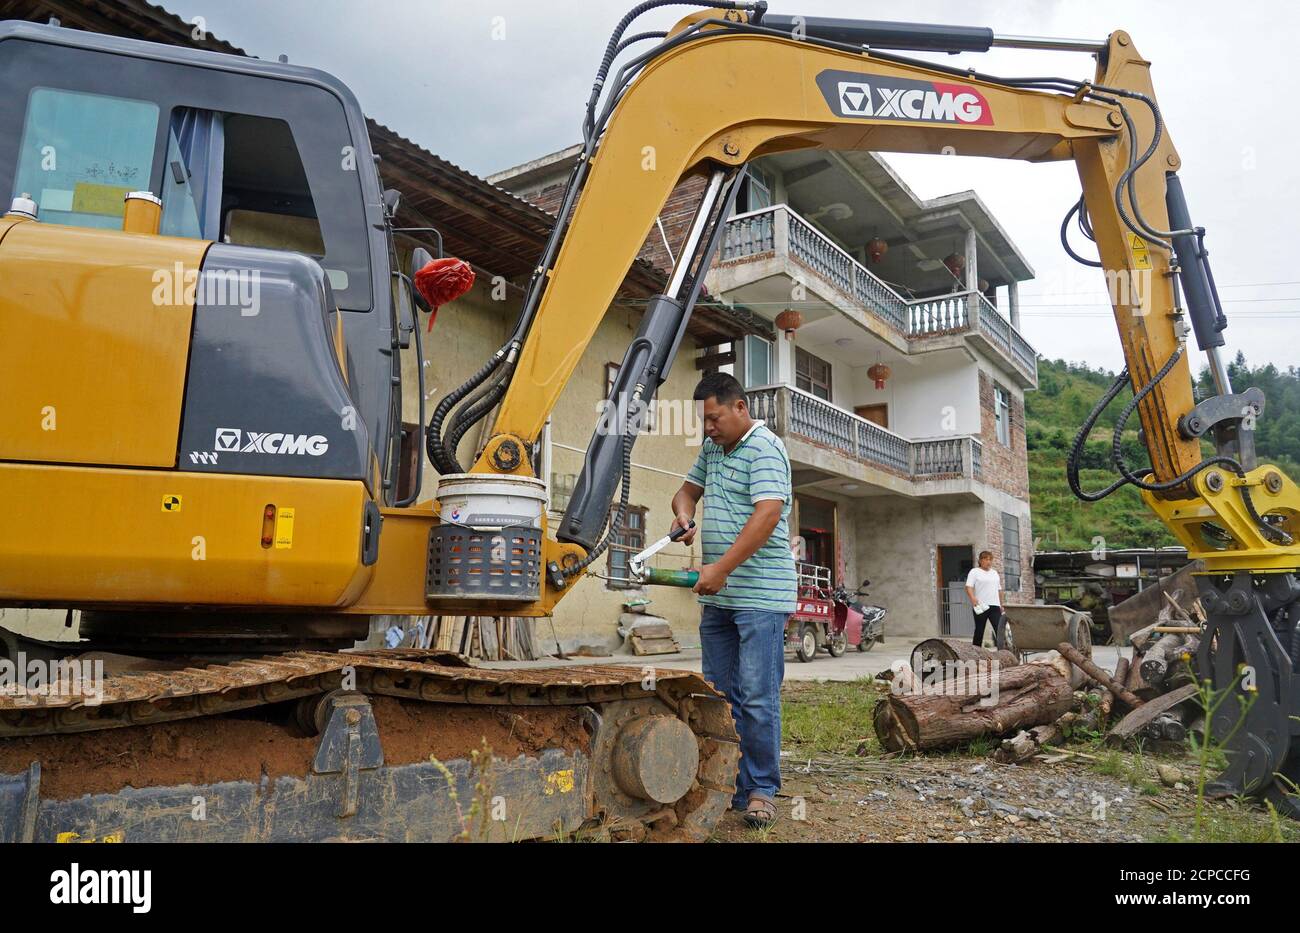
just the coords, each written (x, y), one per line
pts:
(230, 748)
(839, 786)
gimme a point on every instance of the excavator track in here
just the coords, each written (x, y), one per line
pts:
(644, 726)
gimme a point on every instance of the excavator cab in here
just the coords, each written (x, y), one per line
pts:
(252, 342)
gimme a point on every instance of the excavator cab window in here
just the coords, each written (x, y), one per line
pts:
(240, 179)
(81, 154)
(236, 157)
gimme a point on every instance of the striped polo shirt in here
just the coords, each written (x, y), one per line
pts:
(756, 469)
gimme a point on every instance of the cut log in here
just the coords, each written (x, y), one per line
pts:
(1027, 743)
(944, 650)
(1160, 658)
(1077, 678)
(1131, 724)
(1121, 671)
(1096, 673)
(948, 712)
(1134, 682)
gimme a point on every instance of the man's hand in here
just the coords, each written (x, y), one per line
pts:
(684, 503)
(712, 580)
(683, 520)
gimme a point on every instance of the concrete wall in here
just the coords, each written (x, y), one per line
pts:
(895, 543)
(464, 335)
(45, 624)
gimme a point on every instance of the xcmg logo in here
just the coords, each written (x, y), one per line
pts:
(876, 97)
(236, 440)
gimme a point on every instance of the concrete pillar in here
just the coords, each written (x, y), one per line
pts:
(784, 359)
(972, 273)
(1013, 304)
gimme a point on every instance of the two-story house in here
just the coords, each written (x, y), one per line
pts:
(886, 354)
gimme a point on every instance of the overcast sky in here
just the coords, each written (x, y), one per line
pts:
(491, 84)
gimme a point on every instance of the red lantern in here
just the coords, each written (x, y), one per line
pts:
(879, 373)
(956, 264)
(441, 281)
(789, 321)
(876, 249)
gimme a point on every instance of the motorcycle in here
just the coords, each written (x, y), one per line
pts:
(856, 622)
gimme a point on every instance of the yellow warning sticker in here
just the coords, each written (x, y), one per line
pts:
(284, 528)
(1138, 246)
(119, 836)
(171, 503)
(106, 200)
(559, 782)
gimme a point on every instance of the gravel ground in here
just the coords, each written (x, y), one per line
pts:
(838, 786)
(954, 799)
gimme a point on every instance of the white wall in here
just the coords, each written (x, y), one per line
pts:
(937, 396)
(929, 395)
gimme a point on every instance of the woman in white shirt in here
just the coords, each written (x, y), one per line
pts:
(984, 587)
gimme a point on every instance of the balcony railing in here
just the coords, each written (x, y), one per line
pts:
(780, 231)
(998, 329)
(788, 410)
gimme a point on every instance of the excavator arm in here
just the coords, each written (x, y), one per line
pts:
(724, 91)
(729, 85)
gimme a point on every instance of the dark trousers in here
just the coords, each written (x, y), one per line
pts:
(992, 614)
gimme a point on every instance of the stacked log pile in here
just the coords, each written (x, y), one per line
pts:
(955, 692)
(1031, 706)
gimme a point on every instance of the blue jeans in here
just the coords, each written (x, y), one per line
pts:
(744, 658)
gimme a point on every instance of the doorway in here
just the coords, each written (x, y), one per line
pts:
(877, 414)
(815, 519)
(956, 616)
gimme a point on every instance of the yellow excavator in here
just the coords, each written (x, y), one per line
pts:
(202, 324)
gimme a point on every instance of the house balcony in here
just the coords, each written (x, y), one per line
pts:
(766, 243)
(824, 438)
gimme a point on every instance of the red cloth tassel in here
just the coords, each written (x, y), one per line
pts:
(443, 280)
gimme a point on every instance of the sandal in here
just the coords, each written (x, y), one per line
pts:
(761, 812)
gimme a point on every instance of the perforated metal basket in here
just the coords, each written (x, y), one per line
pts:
(502, 564)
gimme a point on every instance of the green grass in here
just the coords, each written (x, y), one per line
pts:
(828, 718)
(1236, 824)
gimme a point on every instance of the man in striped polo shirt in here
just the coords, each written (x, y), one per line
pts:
(747, 582)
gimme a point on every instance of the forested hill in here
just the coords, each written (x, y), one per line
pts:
(1067, 392)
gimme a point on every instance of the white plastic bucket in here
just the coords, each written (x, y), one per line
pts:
(485, 500)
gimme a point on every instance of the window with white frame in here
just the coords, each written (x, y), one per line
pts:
(629, 541)
(758, 362)
(755, 191)
(1002, 414)
(812, 374)
(1010, 552)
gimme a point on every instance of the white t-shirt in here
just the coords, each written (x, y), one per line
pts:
(986, 585)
